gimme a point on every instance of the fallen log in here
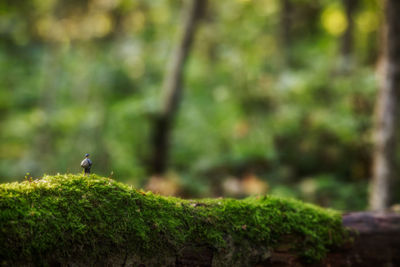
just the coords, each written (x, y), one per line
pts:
(374, 241)
(69, 220)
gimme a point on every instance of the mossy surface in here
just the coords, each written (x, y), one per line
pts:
(64, 216)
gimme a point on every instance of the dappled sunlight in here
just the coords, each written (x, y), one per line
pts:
(368, 21)
(95, 25)
(334, 20)
(166, 186)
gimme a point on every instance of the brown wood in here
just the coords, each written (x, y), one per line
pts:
(376, 243)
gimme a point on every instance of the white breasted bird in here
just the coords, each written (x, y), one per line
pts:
(86, 164)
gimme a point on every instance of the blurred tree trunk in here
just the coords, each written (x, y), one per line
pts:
(348, 36)
(285, 29)
(384, 171)
(172, 87)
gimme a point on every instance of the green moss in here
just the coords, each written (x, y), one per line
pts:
(64, 216)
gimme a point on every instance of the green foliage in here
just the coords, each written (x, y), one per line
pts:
(64, 217)
(85, 77)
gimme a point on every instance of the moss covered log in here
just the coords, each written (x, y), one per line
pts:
(72, 219)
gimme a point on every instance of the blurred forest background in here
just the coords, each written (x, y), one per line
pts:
(277, 96)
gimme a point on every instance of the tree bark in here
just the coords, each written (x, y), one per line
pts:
(376, 243)
(384, 168)
(172, 88)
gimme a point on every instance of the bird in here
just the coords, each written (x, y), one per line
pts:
(86, 164)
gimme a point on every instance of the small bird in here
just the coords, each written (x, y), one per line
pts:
(86, 164)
